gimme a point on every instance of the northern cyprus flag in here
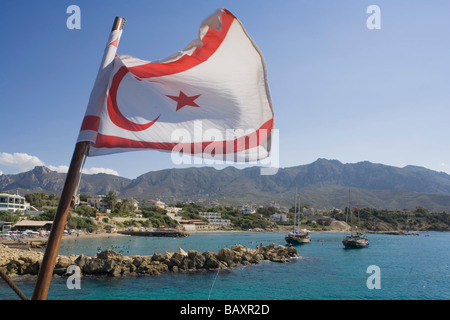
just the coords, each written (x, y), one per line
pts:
(211, 99)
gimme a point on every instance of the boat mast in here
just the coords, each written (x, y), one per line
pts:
(295, 210)
(350, 213)
(299, 210)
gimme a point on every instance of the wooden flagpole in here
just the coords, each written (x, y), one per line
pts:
(59, 222)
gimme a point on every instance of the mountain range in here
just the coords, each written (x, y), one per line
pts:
(323, 184)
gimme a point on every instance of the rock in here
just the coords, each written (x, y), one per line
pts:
(137, 261)
(109, 254)
(211, 261)
(292, 252)
(192, 254)
(99, 266)
(168, 255)
(199, 261)
(226, 255)
(108, 262)
(62, 263)
(157, 257)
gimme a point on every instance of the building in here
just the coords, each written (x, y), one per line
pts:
(5, 226)
(100, 215)
(159, 204)
(278, 217)
(174, 210)
(210, 215)
(33, 225)
(13, 202)
(98, 202)
(248, 210)
(215, 219)
(194, 225)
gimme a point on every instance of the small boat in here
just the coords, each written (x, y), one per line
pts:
(297, 237)
(355, 240)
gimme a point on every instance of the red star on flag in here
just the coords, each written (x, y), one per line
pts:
(183, 100)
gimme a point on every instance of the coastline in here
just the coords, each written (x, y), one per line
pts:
(29, 243)
(17, 262)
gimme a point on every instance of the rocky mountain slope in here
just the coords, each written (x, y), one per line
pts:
(321, 184)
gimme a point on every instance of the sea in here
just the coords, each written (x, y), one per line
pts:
(393, 267)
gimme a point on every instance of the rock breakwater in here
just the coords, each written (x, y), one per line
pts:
(17, 262)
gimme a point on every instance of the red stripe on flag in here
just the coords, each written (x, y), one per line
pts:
(211, 42)
(246, 142)
(90, 123)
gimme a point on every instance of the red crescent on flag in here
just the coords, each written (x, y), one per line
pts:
(211, 41)
(113, 110)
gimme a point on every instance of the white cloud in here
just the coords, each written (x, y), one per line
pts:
(100, 170)
(25, 162)
(21, 161)
(1, 172)
(62, 169)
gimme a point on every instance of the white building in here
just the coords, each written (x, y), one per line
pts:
(98, 202)
(13, 202)
(219, 223)
(215, 219)
(278, 217)
(159, 204)
(248, 210)
(210, 215)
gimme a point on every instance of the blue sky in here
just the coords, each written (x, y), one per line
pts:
(339, 90)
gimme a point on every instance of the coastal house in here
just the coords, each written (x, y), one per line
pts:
(13, 202)
(159, 204)
(98, 202)
(135, 204)
(278, 217)
(174, 210)
(194, 225)
(101, 215)
(33, 225)
(248, 210)
(215, 219)
(5, 226)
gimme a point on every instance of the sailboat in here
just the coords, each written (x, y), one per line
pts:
(296, 237)
(355, 240)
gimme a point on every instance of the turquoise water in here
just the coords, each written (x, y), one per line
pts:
(411, 267)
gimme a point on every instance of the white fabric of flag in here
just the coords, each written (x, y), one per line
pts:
(211, 99)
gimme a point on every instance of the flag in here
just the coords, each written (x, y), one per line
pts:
(211, 99)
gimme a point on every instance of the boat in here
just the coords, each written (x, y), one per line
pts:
(355, 240)
(297, 237)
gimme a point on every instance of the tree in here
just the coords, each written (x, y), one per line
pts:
(47, 215)
(40, 199)
(111, 200)
(8, 216)
(267, 211)
(421, 210)
(86, 211)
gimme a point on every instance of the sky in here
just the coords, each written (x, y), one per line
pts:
(339, 89)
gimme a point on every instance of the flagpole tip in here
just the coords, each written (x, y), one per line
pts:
(119, 22)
